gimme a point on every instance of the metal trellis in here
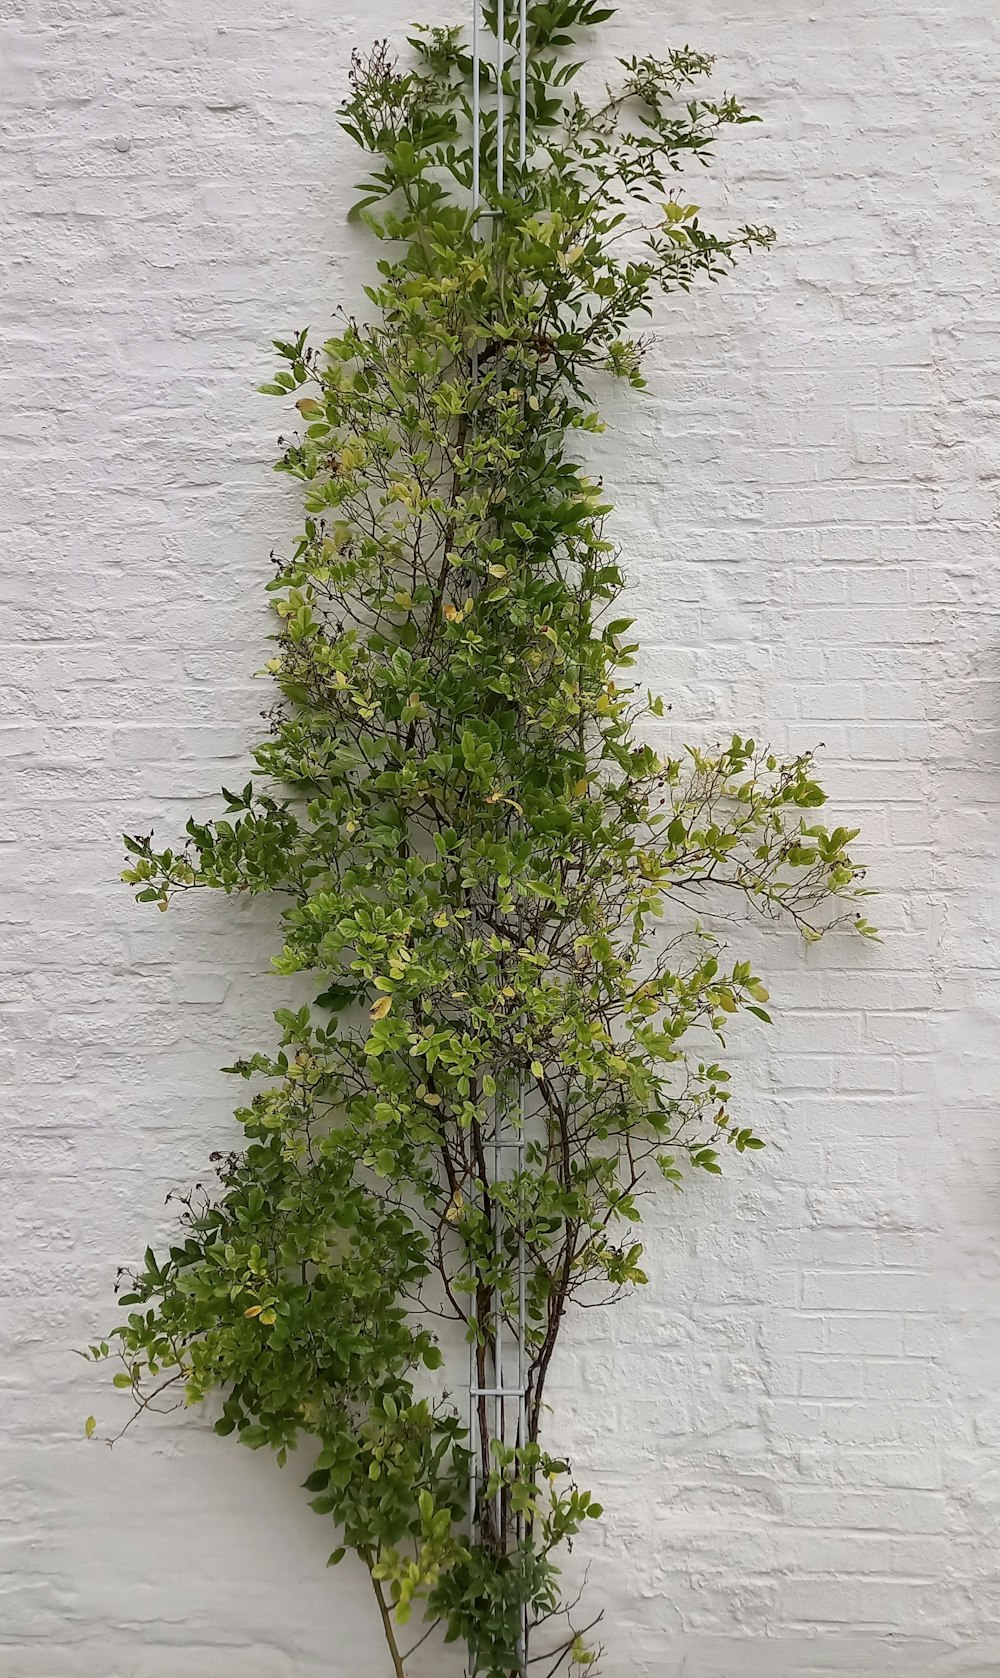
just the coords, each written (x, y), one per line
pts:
(508, 1136)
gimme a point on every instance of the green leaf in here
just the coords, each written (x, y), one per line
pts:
(336, 997)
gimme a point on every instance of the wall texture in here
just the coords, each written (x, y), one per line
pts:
(798, 1424)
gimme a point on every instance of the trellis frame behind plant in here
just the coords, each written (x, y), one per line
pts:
(508, 1137)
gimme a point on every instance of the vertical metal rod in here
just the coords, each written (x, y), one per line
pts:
(522, 89)
(473, 1424)
(499, 1407)
(477, 124)
(501, 65)
(476, 113)
(473, 1325)
(522, 1373)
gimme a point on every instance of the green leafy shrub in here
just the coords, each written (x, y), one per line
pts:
(488, 873)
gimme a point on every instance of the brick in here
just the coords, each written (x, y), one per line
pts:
(870, 1290)
(873, 1334)
(883, 1602)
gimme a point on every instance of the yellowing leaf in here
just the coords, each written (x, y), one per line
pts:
(455, 1207)
(354, 454)
(580, 788)
(451, 613)
(381, 1007)
(89, 1426)
(308, 407)
(497, 570)
(254, 1311)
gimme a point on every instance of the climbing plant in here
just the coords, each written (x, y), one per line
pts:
(490, 878)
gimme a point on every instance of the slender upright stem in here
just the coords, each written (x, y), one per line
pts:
(386, 1616)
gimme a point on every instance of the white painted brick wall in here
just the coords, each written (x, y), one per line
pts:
(796, 1429)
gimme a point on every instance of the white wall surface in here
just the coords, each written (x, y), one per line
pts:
(796, 1430)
